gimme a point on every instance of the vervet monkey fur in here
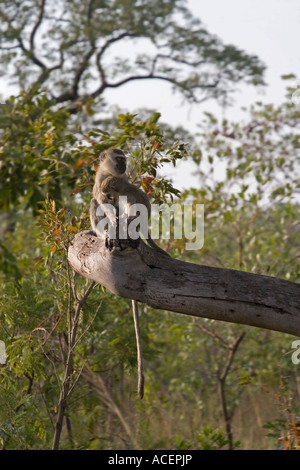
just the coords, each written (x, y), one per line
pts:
(111, 182)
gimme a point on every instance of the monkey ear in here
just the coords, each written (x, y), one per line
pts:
(102, 156)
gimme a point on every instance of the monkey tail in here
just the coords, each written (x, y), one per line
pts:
(156, 247)
(139, 349)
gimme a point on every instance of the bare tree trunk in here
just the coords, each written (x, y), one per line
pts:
(168, 284)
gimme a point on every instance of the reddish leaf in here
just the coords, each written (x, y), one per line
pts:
(75, 191)
(78, 164)
(148, 179)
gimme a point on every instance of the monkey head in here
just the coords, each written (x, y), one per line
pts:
(113, 161)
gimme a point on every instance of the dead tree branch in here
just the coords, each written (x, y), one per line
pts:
(203, 291)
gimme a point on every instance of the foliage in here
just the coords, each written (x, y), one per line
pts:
(32, 136)
(208, 439)
(211, 440)
(39, 158)
(250, 185)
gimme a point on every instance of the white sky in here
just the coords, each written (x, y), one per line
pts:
(267, 28)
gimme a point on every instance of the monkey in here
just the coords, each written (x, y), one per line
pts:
(112, 162)
(111, 182)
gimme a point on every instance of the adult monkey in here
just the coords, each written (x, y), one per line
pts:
(111, 182)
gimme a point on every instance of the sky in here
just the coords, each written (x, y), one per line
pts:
(267, 28)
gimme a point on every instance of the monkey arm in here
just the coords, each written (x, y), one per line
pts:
(96, 216)
(93, 214)
(111, 183)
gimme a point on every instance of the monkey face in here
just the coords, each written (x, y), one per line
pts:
(120, 164)
(113, 161)
(120, 160)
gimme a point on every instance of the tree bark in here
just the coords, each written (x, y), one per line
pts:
(165, 283)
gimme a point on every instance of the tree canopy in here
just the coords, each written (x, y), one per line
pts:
(77, 50)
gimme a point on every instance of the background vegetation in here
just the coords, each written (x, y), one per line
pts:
(70, 345)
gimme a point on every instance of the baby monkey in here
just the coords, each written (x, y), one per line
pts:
(111, 182)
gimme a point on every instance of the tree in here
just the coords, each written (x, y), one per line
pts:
(208, 292)
(80, 49)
